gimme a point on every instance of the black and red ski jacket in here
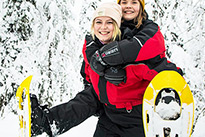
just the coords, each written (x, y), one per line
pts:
(144, 57)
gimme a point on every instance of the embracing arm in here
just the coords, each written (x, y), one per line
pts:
(145, 44)
(156, 65)
(114, 75)
(160, 64)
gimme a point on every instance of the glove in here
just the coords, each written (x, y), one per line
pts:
(97, 64)
(39, 118)
(111, 54)
(115, 75)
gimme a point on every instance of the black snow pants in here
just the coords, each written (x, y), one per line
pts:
(106, 128)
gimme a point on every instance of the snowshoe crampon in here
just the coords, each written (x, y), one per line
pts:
(168, 106)
(24, 108)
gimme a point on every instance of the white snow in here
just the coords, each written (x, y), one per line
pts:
(199, 129)
(167, 111)
(59, 27)
(9, 127)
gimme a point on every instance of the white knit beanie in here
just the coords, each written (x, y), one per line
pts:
(110, 9)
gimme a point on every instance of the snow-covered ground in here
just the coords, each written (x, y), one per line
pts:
(9, 128)
(199, 129)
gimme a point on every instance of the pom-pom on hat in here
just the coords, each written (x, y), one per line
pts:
(110, 9)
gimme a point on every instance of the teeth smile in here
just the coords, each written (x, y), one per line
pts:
(128, 12)
(104, 33)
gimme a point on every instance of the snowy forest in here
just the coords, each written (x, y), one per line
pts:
(44, 38)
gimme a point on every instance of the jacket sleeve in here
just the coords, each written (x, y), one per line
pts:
(145, 44)
(160, 64)
(150, 68)
(89, 48)
(85, 74)
(65, 116)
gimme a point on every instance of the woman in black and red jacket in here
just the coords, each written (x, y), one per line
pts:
(120, 87)
(116, 76)
(141, 54)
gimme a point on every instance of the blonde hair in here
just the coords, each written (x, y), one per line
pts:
(116, 32)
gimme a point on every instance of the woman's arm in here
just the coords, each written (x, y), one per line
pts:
(61, 118)
(74, 112)
(160, 64)
(146, 43)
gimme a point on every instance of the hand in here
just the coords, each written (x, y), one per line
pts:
(39, 120)
(111, 54)
(97, 64)
(115, 75)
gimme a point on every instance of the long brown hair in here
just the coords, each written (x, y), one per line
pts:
(141, 16)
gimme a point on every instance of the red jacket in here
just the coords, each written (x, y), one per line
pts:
(147, 60)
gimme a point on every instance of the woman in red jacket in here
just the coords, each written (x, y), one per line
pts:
(141, 54)
(115, 78)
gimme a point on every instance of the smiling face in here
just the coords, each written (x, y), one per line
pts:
(130, 9)
(103, 28)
